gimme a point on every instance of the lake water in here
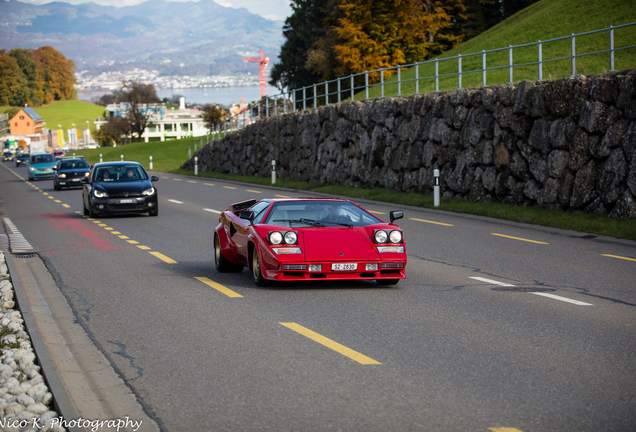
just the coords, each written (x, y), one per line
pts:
(220, 95)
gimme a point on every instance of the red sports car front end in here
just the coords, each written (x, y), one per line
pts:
(309, 239)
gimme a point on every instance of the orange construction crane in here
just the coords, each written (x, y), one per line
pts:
(263, 77)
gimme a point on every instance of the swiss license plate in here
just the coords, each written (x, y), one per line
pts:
(344, 267)
(126, 201)
(76, 179)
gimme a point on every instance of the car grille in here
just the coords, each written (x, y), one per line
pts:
(126, 195)
(126, 206)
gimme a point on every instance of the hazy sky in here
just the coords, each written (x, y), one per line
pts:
(270, 9)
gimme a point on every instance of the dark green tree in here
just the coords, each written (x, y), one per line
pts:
(302, 29)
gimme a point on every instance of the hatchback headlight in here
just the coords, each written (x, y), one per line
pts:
(62, 175)
(100, 194)
(149, 192)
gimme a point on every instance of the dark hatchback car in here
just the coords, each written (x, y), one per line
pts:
(22, 158)
(70, 172)
(119, 187)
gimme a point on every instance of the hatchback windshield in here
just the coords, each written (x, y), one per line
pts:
(72, 164)
(43, 158)
(319, 213)
(120, 173)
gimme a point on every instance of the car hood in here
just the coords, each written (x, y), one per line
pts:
(43, 165)
(74, 170)
(115, 188)
(338, 244)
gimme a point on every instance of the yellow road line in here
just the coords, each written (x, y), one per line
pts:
(132, 241)
(51, 198)
(619, 257)
(176, 179)
(375, 212)
(192, 181)
(209, 184)
(102, 225)
(109, 229)
(163, 257)
(347, 352)
(229, 187)
(228, 292)
(518, 238)
(282, 196)
(504, 429)
(124, 237)
(67, 206)
(431, 222)
(44, 193)
(115, 233)
(253, 191)
(143, 247)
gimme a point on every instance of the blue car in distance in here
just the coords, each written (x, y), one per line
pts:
(41, 166)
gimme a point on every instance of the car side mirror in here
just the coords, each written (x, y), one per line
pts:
(247, 214)
(154, 178)
(396, 214)
(54, 168)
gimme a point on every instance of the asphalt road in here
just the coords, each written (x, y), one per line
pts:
(499, 325)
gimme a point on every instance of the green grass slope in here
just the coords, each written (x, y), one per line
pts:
(66, 113)
(544, 20)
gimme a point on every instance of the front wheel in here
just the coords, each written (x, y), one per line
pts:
(220, 262)
(257, 273)
(387, 281)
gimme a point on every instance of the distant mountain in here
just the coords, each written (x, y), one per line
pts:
(202, 38)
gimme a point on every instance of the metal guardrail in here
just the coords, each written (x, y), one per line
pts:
(335, 91)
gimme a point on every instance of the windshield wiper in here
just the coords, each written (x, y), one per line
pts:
(337, 223)
(302, 221)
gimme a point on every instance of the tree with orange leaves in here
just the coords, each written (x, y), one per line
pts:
(374, 34)
(56, 75)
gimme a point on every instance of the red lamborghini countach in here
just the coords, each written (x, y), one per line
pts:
(300, 239)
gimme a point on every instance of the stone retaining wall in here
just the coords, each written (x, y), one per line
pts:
(568, 144)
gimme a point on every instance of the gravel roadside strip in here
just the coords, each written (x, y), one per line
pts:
(25, 399)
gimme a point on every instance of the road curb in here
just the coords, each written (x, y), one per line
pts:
(62, 401)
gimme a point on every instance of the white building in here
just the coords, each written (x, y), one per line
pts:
(164, 124)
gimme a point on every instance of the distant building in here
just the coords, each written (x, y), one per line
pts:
(165, 124)
(26, 123)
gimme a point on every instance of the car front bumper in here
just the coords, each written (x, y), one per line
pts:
(124, 205)
(296, 271)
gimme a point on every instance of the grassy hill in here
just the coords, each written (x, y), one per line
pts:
(66, 113)
(546, 19)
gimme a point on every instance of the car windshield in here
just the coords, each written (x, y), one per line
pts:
(319, 214)
(120, 173)
(43, 158)
(73, 164)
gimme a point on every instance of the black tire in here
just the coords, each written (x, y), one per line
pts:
(387, 281)
(220, 262)
(56, 186)
(257, 273)
(86, 212)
